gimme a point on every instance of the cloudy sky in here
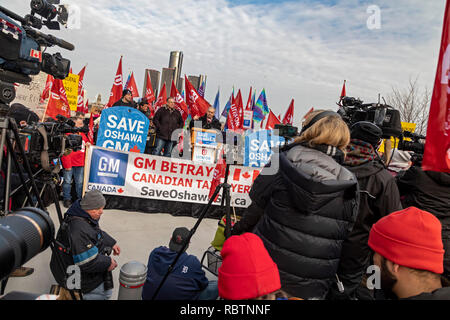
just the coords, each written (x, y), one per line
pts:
(294, 49)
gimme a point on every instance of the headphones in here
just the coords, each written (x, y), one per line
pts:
(317, 118)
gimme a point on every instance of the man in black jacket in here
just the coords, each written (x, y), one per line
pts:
(379, 196)
(166, 120)
(88, 245)
(429, 191)
(126, 100)
(209, 121)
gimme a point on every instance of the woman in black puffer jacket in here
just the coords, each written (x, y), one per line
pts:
(305, 211)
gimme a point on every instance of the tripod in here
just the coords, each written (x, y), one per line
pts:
(226, 197)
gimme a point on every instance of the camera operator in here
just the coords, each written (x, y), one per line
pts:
(73, 165)
(88, 244)
(429, 191)
(379, 196)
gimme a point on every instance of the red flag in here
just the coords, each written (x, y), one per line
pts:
(219, 173)
(343, 93)
(86, 107)
(149, 95)
(437, 146)
(310, 110)
(197, 105)
(80, 104)
(235, 118)
(57, 104)
(70, 71)
(179, 102)
(289, 116)
(91, 130)
(249, 101)
(80, 81)
(117, 88)
(132, 86)
(48, 85)
(162, 98)
(272, 121)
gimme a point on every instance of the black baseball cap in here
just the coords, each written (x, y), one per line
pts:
(126, 91)
(178, 239)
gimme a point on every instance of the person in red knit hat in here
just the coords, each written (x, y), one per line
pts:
(247, 270)
(410, 254)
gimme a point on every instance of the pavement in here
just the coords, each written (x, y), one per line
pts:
(136, 233)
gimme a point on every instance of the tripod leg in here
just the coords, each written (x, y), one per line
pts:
(8, 184)
(56, 201)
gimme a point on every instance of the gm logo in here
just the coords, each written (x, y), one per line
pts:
(108, 167)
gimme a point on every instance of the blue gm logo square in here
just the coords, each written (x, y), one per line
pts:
(108, 167)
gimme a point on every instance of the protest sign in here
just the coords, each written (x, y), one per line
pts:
(123, 128)
(71, 87)
(258, 147)
(152, 177)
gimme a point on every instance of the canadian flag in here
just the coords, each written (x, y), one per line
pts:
(437, 147)
(162, 98)
(48, 85)
(289, 116)
(36, 54)
(149, 95)
(132, 86)
(179, 102)
(272, 121)
(196, 103)
(117, 88)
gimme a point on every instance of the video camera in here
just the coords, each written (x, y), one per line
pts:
(51, 137)
(353, 110)
(415, 146)
(20, 47)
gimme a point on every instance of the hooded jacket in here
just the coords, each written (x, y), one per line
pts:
(429, 191)
(166, 121)
(185, 281)
(379, 196)
(309, 207)
(87, 242)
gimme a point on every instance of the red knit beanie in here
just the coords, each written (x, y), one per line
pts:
(247, 270)
(410, 238)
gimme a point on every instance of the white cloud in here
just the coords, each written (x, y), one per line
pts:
(300, 50)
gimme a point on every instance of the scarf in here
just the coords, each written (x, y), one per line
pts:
(359, 152)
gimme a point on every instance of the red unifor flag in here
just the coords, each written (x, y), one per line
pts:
(249, 101)
(310, 110)
(80, 81)
(343, 93)
(218, 174)
(117, 88)
(48, 85)
(57, 104)
(80, 103)
(179, 102)
(235, 118)
(437, 146)
(162, 98)
(132, 86)
(86, 107)
(289, 116)
(195, 102)
(91, 130)
(272, 121)
(149, 95)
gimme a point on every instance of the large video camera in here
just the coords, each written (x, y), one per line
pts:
(416, 145)
(353, 110)
(51, 137)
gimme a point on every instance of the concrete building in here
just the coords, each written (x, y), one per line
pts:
(168, 74)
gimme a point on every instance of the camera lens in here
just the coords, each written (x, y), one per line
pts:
(23, 234)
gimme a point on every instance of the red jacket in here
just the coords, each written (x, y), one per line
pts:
(76, 158)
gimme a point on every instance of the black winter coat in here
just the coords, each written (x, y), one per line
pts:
(87, 243)
(309, 207)
(166, 122)
(214, 124)
(379, 196)
(429, 191)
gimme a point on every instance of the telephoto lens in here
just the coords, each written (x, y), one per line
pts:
(23, 234)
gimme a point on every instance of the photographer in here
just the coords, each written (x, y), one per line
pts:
(73, 165)
(429, 191)
(379, 196)
(87, 244)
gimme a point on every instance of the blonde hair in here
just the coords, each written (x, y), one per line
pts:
(330, 130)
(95, 109)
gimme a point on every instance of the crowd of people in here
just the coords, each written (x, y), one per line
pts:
(313, 230)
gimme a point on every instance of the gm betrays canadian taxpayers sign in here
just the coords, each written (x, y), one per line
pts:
(153, 177)
(123, 128)
(258, 147)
